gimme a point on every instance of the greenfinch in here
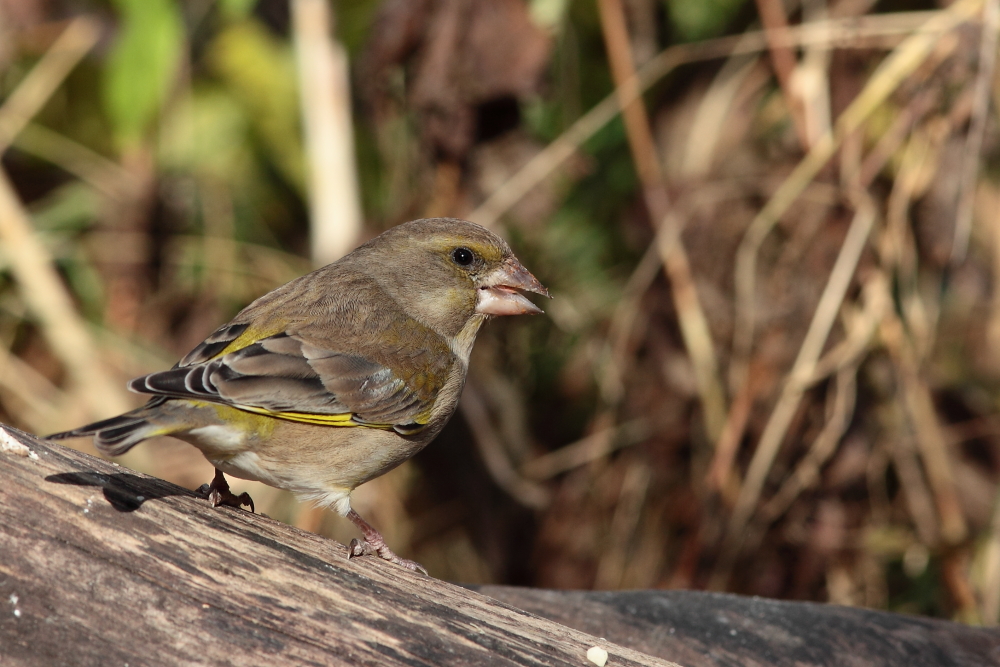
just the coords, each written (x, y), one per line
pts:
(338, 376)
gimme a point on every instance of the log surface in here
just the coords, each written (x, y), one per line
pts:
(103, 566)
(100, 565)
(699, 629)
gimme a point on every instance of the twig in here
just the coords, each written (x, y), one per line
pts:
(897, 66)
(801, 374)
(990, 607)
(49, 302)
(622, 324)
(977, 128)
(46, 76)
(524, 490)
(335, 207)
(772, 15)
(690, 314)
(102, 174)
(806, 474)
(915, 491)
(839, 33)
(583, 451)
(631, 498)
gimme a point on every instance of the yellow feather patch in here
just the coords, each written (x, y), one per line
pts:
(251, 336)
(346, 419)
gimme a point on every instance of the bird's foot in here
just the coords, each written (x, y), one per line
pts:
(374, 544)
(218, 493)
(365, 548)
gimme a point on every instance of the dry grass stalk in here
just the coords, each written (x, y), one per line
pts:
(903, 61)
(49, 302)
(839, 33)
(977, 129)
(772, 15)
(45, 77)
(690, 314)
(802, 373)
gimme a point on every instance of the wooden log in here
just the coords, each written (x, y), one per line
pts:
(103, 566)
(699, 629)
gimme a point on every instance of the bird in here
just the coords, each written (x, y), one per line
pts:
(338, 376)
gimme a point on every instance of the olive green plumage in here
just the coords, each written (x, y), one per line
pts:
(338, 376)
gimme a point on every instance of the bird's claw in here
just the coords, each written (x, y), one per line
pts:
(218, 493)
(363, 548)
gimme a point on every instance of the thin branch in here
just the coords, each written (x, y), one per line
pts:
(583, 451)
(977, 128)
(45, 77)
(903, 61)
(526, 491)
(772, 16)
(801, 374)
(837, 33)
(690, 314)
(50, 303)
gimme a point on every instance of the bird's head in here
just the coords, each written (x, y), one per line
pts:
(445, 271)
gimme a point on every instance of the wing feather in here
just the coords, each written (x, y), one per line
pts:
(291, 377)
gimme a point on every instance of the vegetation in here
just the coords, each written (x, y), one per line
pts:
(772, 363)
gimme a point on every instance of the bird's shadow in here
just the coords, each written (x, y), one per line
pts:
(126, 492)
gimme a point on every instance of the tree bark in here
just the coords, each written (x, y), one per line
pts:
(101, 566)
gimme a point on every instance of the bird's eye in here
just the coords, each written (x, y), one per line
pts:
(462, 256)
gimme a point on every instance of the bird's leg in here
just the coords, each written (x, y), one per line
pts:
(218, 493)
(375, 544)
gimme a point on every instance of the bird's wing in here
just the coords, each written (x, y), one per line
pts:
(305, 375)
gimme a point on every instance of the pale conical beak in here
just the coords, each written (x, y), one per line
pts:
(499, 293)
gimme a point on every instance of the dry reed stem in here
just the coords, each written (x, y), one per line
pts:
(324, 90)
(933, 449)
(860, 329)
(43, 291)
(720, 469)
(903, 61)
(45, 77)
(49, 302)
(690, 314)
(523, 489)
(837, 33)
(772, 16)
(802, 373)
(977, 128)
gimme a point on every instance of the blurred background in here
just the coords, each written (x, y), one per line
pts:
(772, 363)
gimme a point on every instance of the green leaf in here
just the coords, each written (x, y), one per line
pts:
(698, 19)
(142, 66)
(259, 71)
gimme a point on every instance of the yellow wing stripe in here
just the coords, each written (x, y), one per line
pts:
(251, 336)
(346, 419)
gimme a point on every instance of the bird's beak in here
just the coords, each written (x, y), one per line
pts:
(499, 292)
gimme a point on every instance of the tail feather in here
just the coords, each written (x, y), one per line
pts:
(114, 436)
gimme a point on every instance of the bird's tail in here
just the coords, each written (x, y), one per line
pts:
(117, 435)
